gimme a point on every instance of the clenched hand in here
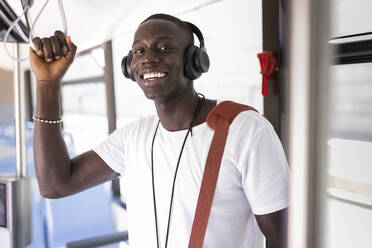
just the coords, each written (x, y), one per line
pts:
(52, 58)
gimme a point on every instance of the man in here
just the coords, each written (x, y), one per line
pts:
(161, 158)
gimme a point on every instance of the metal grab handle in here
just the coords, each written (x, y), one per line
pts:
(27, 14)
(62, 14)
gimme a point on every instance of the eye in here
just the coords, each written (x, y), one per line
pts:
(164, 48)
(138, 51)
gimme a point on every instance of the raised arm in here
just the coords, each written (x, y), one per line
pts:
(57, 175)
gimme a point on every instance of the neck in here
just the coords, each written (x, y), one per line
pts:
(176, 113)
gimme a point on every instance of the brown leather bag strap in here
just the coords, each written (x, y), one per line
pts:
(218, 119)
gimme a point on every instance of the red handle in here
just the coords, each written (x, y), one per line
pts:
(269, 65)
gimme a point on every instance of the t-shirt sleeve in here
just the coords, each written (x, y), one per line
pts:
(265, 173)
(112, 151)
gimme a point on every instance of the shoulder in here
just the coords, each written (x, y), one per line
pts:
(251, 118)
(247, 126)
(247, 119)
(249, 123)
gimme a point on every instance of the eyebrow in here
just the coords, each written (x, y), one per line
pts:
(164, 37)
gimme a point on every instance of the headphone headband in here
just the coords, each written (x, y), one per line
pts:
(197, 32)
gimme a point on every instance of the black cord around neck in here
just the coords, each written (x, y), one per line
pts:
(197, 110)
(201, 99)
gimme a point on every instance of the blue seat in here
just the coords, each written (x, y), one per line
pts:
(57, 222)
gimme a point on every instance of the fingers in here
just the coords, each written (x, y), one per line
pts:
(72, 50)
(38, 46)
(62, 41)
(47, 48)
(55, 47)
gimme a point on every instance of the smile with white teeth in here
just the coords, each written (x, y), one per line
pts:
(153, 75)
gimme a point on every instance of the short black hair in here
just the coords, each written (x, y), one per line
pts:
(175, 20)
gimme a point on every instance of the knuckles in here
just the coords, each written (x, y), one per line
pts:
(53, 47)
(49, 50)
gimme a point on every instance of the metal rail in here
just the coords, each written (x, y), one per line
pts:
(19, 116)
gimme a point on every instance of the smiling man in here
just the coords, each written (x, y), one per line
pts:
(161, 158)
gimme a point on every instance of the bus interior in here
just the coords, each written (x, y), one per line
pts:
(318, 100)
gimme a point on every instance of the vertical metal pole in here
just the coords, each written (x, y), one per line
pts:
(308, 87)
(108, 77)
(111, 106)
(19, 116)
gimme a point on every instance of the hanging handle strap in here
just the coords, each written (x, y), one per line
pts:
(219, 119)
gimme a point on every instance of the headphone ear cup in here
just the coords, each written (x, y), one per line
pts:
(201, 60)
(190, 69)
(125, 66)
(196, 62)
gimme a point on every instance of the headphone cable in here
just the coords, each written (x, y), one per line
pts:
(201, 99)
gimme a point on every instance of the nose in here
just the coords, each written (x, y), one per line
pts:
(150, 57)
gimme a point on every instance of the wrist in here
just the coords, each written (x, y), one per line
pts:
(48, 83)
(48, 101)
(47, 92)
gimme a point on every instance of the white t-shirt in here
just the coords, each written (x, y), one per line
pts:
(253, 180)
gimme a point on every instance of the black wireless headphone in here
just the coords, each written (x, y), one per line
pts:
(196, 59)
